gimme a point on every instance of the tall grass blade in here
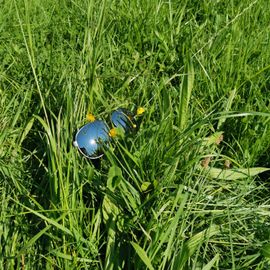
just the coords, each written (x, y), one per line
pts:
(228, 107)
(49, 220)
(185, 95)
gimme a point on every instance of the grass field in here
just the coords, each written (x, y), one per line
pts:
(190, 189)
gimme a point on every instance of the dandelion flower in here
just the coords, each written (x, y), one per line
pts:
(90, 117)
(113, 132)
(140, 110)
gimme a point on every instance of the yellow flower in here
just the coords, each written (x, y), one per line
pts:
(113, 132)
(140, 110)
(90, 117)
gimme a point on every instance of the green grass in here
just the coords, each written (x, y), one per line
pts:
(200, 69)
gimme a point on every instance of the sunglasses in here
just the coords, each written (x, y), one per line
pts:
(122, 118)
(92, 137)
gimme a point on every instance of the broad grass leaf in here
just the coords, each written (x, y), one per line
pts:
(142, 254)
(114, 177)
(146, 186)
(211, 263)
(266, 250)
(109, 209)
(235, 174)
(192, 244)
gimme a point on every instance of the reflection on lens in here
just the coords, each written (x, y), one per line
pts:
(123, 118)
(90, 138)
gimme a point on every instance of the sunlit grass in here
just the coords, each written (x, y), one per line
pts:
(189, 189)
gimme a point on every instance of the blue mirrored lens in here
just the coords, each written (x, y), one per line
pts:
(90, 138)
(122, 118)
